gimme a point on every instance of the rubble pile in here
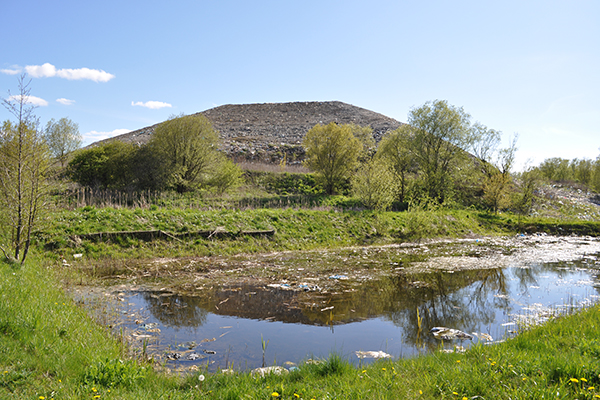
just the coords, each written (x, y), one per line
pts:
(273, 132)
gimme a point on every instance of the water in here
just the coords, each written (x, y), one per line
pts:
(225, 327)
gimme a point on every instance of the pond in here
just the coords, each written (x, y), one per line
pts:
(245, 324)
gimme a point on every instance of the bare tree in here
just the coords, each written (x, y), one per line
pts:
(24, 162)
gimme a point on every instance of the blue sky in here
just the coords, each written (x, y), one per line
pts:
(526, 67)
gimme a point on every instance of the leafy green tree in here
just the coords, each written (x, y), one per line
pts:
(63, 138)
(439, 133)
(394, 148)
(375, 184)
(332, 151)
(107, 166)
(582, 170)
(523, 200)
(555, 169)
(365, 135)
(24, 166)
(186, 151)
(226, 176)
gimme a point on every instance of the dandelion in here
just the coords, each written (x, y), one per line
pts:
(275, 394)
(420, 392)
(296, 395)
(383, 369)
(457, 361)
(97, 396)
(465, 398)
(363, 371)
(41, 397)
(454, 393)
(201, 377)
(524, 379)
(583, 379)
(591, 388)
(94, 390)
(573, 380)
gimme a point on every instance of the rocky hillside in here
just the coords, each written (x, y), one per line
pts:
(264, 132)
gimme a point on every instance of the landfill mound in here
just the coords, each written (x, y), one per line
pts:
(268, 131)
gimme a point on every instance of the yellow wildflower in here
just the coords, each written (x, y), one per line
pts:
(583, 379)
(275, 394)
(574, 380)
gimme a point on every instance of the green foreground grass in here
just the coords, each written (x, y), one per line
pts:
(51, 349)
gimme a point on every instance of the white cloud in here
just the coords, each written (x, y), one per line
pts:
(65, 102)
(95, 136)
(48, 70)
(36, 101)
(14, 71)
(154, 105)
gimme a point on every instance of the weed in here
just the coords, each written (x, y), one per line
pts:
(115, 372)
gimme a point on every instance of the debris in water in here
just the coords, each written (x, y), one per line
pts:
(372, 354)
(443, 333)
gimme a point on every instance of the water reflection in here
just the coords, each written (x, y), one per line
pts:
(349, 315)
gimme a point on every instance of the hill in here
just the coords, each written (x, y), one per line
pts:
(264, 132)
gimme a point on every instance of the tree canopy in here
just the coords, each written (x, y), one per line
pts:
(332, 151)
(186, 150)
(62, 137)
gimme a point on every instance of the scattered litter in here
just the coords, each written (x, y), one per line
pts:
(443, 333)
(173, 356)
(209, 351)
(78, 255)
(485, 336)
(456, 349)
(208, 340)
(277, 370)
(338, 277)
(194, 356)
(372, 354)
(327, 308)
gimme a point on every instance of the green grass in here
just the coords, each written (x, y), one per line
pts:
(49, 348)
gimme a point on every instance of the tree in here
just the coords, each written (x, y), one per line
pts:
(439, 133)
(498, 180)
(186, 151)
(394, 148)
(375, 185)
(63, 137)
(24, 164)
(332, 151)
(107, 166)
(365, 136)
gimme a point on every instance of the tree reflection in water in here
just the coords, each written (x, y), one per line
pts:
(462, 299)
